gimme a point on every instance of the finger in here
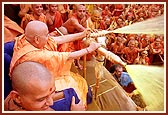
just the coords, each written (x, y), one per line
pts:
(91, 30)
(73, 101)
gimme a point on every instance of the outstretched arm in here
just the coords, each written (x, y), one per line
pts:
(80, 53)
(72, 37)
(77, 25)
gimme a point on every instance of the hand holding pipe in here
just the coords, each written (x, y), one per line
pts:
(108, 54)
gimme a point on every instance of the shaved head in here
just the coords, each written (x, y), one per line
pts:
(29, 76)
(35, 28)
(96, 15)
(96, 12)
(78, 6)
(36, 33)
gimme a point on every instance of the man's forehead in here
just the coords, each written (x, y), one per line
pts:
(53, 5)
(81, 7)
(119, 68)
(34, 5)
(43, 94)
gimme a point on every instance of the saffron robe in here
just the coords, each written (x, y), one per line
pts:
(56, 62)
(57, 21)
(30, 17)
(11, 29)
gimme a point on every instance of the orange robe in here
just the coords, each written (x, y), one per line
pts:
(57, 21)
(119, 8)
(30, 17)
(131, 55)
(11, 29)
(156, 57)
(96, 25)
(106, 13)
(73, 28)
(56, 62)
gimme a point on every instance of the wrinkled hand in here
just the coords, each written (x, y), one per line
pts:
(77, 107)
(98, 33)
(93, 46)
(87, 32)
(95, 30)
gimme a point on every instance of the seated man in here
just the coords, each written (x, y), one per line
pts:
(36, 45)
(34, 90)
(75, 24)
(122, 78)
(37, 14)
(53, 18)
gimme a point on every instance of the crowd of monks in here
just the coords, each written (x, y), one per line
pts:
(71, 18)
(65, 19)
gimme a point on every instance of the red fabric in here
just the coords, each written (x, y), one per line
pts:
(57, 21)
(130, 88)
(131, 54)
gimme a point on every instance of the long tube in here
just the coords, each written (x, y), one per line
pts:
(111, 56)
(108, 54)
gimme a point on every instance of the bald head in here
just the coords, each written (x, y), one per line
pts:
(36, 33)
(30, 75)
(35, 28)
(96, 15)
(96, 12)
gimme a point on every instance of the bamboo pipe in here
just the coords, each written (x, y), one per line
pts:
(108, 54)
(84, 57)
(100, 33)
(84, 66)
(149, 26)
(111, 56)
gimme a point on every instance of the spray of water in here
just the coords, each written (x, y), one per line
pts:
(149, 81)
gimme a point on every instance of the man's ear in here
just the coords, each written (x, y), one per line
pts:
(15, 96)
(114, 73)
(36, 39)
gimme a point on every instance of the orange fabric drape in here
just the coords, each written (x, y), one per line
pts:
(11, 29)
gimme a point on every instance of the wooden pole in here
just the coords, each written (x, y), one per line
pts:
(108, 54)
(84, 58)
(84, 66)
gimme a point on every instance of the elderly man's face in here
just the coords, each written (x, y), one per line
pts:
(96, 17)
